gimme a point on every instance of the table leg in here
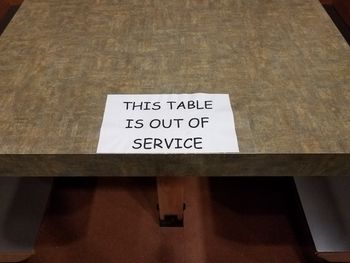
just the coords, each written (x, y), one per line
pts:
(171, 201)
(325, 200)
(22, 206)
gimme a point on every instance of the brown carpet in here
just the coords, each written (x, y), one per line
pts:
(226, 220)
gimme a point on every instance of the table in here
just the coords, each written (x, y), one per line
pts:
(287, 76)
(283, 63)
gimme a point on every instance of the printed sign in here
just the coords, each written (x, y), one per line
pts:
(168, 123)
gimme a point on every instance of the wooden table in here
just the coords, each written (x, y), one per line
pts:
(283, 63)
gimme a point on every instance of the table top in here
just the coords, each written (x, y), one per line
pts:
(283, 63)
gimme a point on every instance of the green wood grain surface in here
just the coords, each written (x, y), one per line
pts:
(283, 62)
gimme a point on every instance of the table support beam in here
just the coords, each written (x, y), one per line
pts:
(171, 201)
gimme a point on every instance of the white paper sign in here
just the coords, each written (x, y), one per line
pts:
(168, 123)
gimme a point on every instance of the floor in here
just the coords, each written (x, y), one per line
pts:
(6, 13)
(338, 21)
(226, 220)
